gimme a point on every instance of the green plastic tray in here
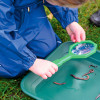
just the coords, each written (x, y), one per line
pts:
(74, 89)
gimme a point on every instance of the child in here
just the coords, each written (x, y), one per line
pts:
(26, 36)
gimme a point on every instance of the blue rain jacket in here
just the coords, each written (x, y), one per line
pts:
(17, 31)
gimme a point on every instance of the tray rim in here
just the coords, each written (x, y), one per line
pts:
(22, 81)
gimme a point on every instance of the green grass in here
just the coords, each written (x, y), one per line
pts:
(10, 88)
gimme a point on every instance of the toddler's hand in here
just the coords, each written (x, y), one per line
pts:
(43, 68)
(76, 32)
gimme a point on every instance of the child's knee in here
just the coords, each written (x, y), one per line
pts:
(47, 49)
(11, 73)
(42, 49)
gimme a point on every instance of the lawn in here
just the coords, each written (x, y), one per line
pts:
(10, 88)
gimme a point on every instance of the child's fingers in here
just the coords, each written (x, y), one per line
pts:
(48, 74)
(78, 37)
(44, 76)
(55, 67)
(73, 37)
(52, 71)
(83, 36)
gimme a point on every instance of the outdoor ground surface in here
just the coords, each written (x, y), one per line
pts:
(10, 88)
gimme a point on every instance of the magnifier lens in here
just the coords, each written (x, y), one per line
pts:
(83, 48)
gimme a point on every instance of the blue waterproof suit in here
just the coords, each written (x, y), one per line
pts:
(25, 33)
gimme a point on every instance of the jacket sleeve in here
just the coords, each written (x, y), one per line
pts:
(13, 49)
(63, 14)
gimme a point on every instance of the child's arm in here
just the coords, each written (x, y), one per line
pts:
(15, 57)
(14, 54)
(68, 17)
(63, 14)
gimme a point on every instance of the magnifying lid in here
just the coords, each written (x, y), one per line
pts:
(83, 49)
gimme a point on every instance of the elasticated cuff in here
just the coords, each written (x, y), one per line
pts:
(29, 60)
(69, 17)
(29, 63)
